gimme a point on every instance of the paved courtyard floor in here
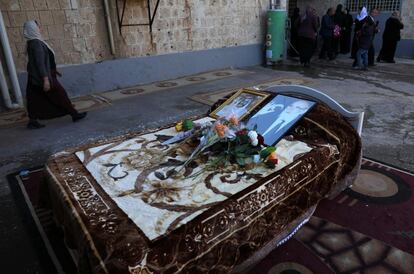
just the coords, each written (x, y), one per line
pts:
(385, 93)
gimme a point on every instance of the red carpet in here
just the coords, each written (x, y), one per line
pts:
(368, 228)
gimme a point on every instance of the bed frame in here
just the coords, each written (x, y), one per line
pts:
(356, 119)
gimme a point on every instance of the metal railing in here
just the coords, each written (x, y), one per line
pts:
(382, 5)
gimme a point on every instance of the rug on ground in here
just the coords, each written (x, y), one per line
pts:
(368, 228)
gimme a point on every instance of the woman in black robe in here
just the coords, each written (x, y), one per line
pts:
(346, 32)
(46, 98)
(339, 21)
(390, 38)
(307, 26)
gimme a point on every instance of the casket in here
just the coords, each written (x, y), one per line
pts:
(121, 215)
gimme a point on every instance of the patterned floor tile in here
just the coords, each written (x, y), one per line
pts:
(84, 103)
(348, 251)
(12, 118)
(185, 81)
(89, 102)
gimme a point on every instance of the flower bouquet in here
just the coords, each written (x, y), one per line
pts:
(227, 141)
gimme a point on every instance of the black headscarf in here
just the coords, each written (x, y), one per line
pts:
(339, 15)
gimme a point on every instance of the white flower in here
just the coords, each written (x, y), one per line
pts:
(253, 137)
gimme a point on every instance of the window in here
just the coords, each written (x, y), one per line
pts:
(381, 5)
(292, 5)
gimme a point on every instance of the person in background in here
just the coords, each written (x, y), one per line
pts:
(294, 32)
(359, 21)
(390, 38)
(315, 13)
(326, 32)
(307, 26)
(346, 32)
(339, 22)
(365, 41)
(46, 98)
(371, 53)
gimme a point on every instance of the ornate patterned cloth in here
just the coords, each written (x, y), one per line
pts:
(134, 175)
(122, 213)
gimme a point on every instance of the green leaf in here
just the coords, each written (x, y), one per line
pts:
(252, 150)
(242, 139)
(241, 155)
(242, 148)
(241, 161)
(187, 124)
(266, 152)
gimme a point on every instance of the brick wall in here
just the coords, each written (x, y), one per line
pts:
(80, 35)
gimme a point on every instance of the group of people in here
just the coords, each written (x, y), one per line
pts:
(335, 31)
(46, 98)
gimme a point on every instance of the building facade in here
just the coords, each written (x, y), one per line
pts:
(213, 33)
(78, 32)
(188, 37)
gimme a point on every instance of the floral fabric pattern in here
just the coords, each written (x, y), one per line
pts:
(136, 174)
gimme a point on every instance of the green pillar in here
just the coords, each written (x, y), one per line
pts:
(275, 38)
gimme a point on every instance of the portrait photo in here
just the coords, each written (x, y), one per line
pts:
(240, 104)
(278, 116)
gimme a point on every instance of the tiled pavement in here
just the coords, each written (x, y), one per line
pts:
(94, 101)
(385, 93)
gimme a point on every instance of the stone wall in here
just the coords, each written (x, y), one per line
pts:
(78, 33)
(183, 25)
(407, 14)
(320, 6)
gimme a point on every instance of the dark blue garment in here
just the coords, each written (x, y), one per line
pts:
(327, 26)
(366, 37)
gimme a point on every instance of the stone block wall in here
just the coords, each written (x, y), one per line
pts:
(183, 25)
(320, 6)
(407, 14)
(78, 33)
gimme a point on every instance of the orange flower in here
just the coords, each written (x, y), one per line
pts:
(233, 120)
(273, 158)
(220, 129)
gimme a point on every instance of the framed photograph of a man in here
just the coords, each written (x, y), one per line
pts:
(240, 104)
(278, 116)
